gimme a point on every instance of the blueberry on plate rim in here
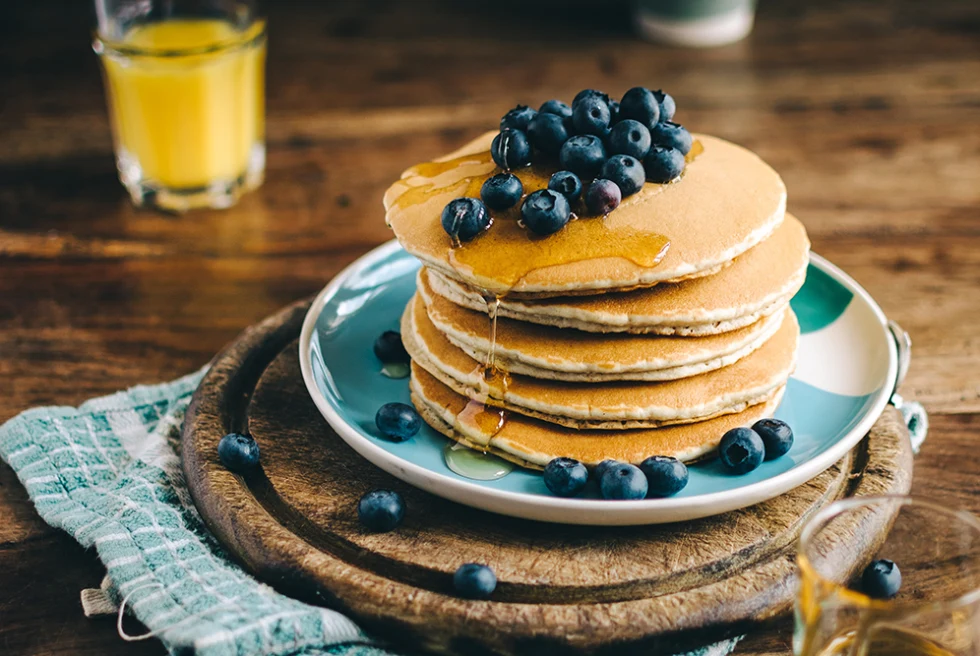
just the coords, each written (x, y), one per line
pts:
(381, 511)
(741, 450)
(398, 421)
(474, 581)
(882, 579)
(238, 452)
(502, 191)
(666, 476)
(622, 482)
(465, 218)
(510, 149)
(388, 347)
(565, 477)
(545, 212)
(602, 197)
(776, 435)
(567, 184)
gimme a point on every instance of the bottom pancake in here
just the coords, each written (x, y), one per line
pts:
(532, 443)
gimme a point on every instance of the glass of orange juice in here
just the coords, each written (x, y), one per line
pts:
(889, 576)
(185, 85)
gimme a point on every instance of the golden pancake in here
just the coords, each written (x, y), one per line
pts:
(756, 284)
(531, 443)
(726, 201)
(572, 355)
(616, 405)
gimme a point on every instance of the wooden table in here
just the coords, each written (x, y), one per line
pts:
(869, 110)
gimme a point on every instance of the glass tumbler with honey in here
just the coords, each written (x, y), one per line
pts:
(185, 85)
(889, 576)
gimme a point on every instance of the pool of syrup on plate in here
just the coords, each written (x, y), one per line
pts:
(504, 255)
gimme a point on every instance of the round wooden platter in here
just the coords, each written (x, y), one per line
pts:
(562, 589)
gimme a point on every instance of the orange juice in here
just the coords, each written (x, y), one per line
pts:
(186, 98)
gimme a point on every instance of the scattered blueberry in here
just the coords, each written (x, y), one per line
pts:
(474, 581)
(558, 108)
(510, 149)
(389, 348)
(776, 435)
(565, 477)
(381, 510)
(238, 452)
(663, 164)
(398, 421)
(666, 476)
(741, 450)
(547, 132)
(640, 104)
(502, 191)
(465, 218)
(673, 135)
(517, 118)
(881, 579)
(629, 137)
(667, 105)
(626, 172)
(567, 184)
(545, 212)
(623, 481)
(583, 155)
(602, 197)
(601, 468)
(588, 93)
(591, 116)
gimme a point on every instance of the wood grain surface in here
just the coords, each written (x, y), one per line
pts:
(870, 109)
(561, 589)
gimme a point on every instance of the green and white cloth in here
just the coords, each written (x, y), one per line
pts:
(108, 473)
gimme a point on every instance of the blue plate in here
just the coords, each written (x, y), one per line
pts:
(846, 372)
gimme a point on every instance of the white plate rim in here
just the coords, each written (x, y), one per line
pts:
(594, 512)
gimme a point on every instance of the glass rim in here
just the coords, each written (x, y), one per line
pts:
(841, 506)
(106, 47)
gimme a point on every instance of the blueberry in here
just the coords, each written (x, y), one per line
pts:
(640, 104)
(673, 135)
(510, 149)
(881, 579)
(666, 476)
(398, 421)
(465, 218)
(583, 155)
(626, 172)
(381, 510)
(741, 450)
(389, 348)
(614, 112)
(502, 191)
(545, 212)
(547, 133)
(585, 94)
(474, 581)
(602, 467)
(558, 108)
(623, 481)
(517, 118)
(567, 184)
(602, 197)
(663, 164)
(667, 105)
(591, 116)
(776, 435)
(629, 137)
(565, 477)
(238, 452)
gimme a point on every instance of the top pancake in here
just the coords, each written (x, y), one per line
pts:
(726, 201)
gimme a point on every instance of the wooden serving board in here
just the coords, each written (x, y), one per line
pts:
(562, 589)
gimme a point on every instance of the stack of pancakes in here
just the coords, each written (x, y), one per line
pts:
(606, 357)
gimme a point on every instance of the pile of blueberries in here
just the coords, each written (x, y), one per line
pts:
(605, 149)
(741, 450)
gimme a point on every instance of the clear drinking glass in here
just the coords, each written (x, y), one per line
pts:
(185, 85)
(937, 609)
